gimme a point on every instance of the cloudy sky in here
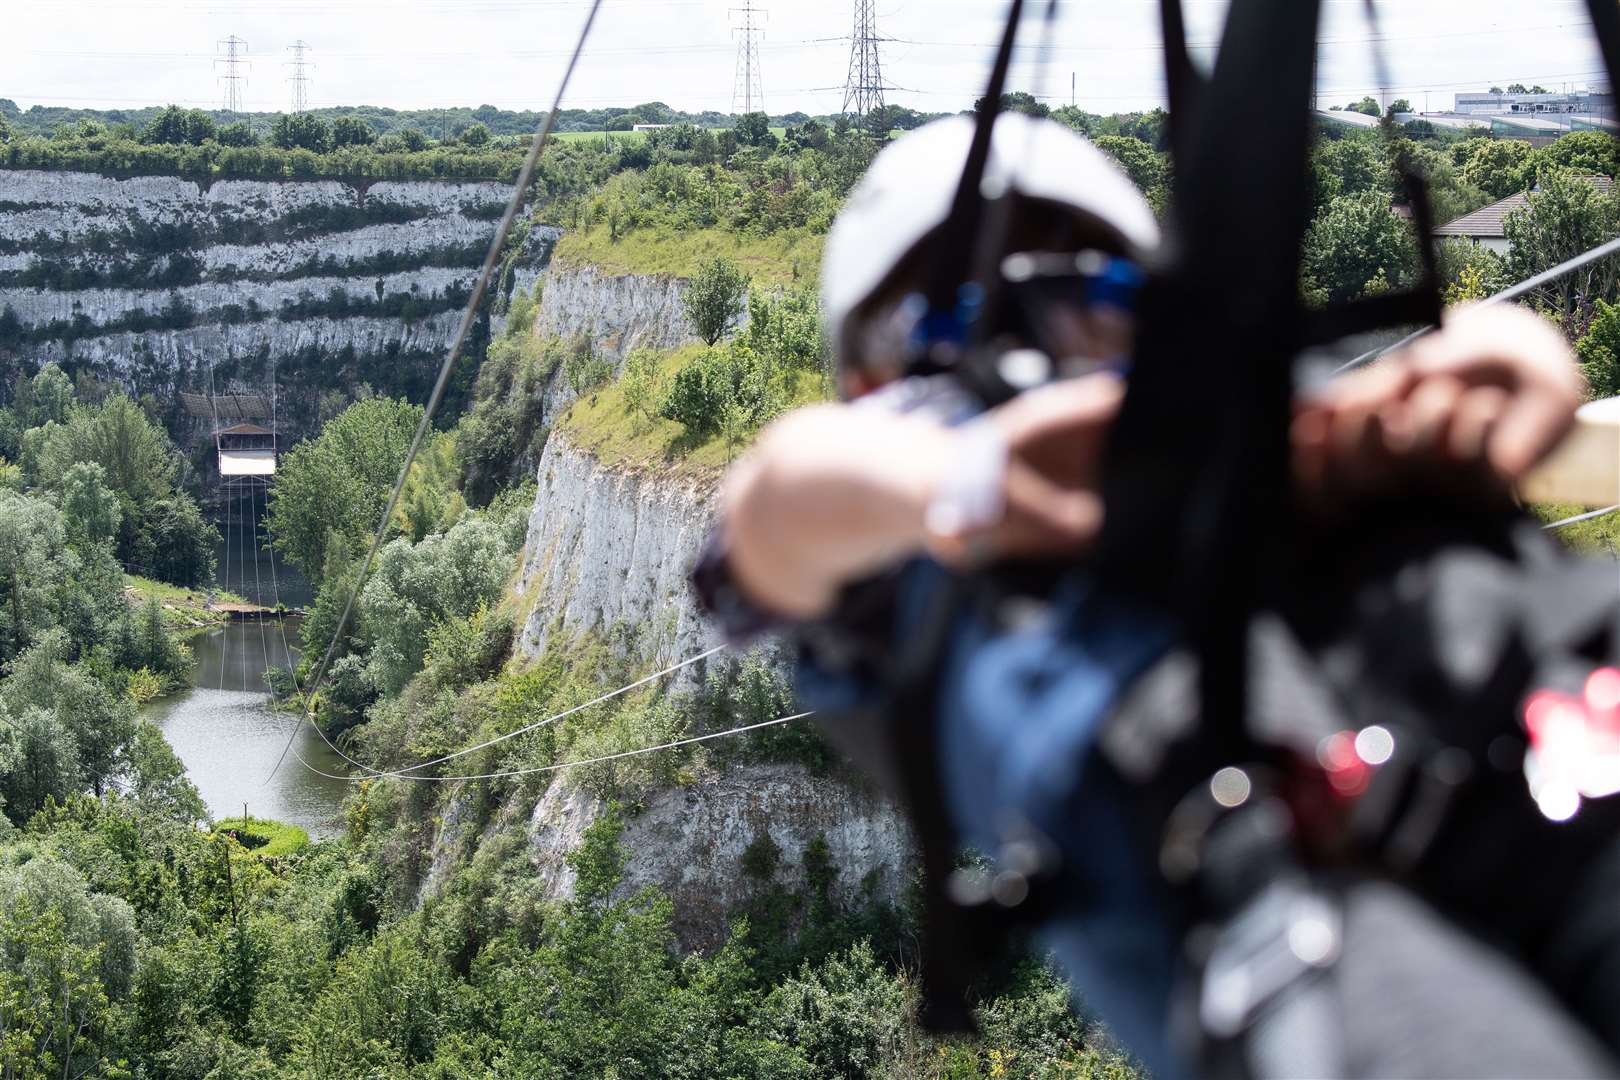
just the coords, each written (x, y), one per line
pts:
(510, 53)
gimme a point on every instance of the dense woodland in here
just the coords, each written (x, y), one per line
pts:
(138, 939)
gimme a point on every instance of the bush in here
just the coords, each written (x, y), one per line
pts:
(1599, 352)
(266, 839)
(714, 298)
(728, 391)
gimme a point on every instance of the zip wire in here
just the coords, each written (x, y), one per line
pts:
(485, 274)
(563, 766)
(258, 593)
(1578, 518)
(1546, 277)
(542, 723)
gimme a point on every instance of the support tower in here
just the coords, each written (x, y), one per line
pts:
(233, 52)
(748, 94)
(300, 74)
(863, 88)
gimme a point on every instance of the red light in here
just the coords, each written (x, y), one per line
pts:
(1539, 709)
(1346, 772)
(1603, 689)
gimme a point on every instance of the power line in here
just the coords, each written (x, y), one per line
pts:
(749, 88)
(299, 77)
(236, 64)
(863, 87)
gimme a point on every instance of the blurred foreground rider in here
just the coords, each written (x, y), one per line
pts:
(848, 523)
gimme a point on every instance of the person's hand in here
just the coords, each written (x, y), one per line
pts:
(1051, 505)
(1470, 408)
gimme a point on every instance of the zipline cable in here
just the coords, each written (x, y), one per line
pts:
(405, 772)
(565, 765)
(258, 592)
(468, 316)
(1546, 277)
(1578, 518)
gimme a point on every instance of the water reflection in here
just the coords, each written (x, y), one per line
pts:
(229, 738)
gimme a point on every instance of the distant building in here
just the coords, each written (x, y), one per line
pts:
(650, 127)
(1487, 226)
(1599, 103)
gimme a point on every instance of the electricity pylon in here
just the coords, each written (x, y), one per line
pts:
(749, 91)
(863, 89)
(300, 75)
(235, 78)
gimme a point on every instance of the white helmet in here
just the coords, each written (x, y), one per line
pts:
(908, 192)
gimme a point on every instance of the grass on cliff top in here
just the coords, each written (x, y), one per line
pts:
(789, 258)
(602, 424)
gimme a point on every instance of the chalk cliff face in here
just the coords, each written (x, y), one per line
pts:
(616, 312)
(613, 546)
(150, 281)
(689, 842)
(608, 546)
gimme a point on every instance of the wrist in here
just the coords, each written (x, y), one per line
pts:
(968, 499)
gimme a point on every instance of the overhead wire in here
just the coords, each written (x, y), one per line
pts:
(566, 765)
(469, 315)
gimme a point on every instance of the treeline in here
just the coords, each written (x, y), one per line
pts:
(437, 124)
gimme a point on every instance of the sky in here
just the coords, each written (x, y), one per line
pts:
(511, 53)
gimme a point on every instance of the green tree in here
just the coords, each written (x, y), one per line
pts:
(714, 298)
(430, 502)
(168, 126)
(1351, 166)
(754, 129)
(238, 134)
(642, 384)
(352, 131)
(1367, 105)
(176, 543)
(90, 510)
(1018, 101)
(1591, 153)
(1141, 163)
(1356, 244)
(1400, 105)
(137, 459)
(1566, 216)
(67, 956)
(1599, 352)
(158, 780)
(301, 131)
(1499, 167)
(339, 481)
(100, 723)
(476, 136)
(38, 590)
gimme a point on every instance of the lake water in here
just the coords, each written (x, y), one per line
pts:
(229, 737)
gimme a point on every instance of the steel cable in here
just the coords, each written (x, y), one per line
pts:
(469, 315)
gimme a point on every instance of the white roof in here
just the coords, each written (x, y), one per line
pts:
(1348, 116)
(247, 463)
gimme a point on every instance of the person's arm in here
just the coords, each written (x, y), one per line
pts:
(1473, 406)
(833, 494)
